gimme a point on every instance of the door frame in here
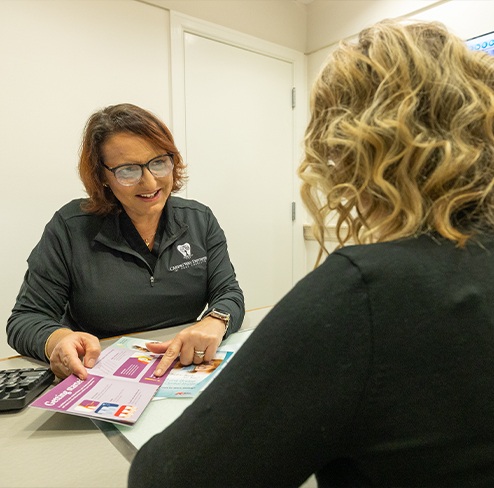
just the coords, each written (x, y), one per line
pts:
(181, 24)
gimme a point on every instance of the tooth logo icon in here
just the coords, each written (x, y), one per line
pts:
(184, 249)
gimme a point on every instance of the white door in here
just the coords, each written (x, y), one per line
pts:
(239, 134)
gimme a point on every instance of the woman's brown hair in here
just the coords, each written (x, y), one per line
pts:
(122, 118)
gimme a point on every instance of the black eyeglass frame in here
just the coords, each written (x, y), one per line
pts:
(142, 166)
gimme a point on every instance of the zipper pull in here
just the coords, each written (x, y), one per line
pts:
(151, 280)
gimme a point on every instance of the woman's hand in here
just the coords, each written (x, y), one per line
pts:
(72, 352)
(194, 344)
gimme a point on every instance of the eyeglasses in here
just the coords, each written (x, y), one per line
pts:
(131, 174)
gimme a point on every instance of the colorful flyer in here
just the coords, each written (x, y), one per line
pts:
(121, 383)
(118, 388)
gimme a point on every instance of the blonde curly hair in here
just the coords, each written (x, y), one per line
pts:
(400, 141)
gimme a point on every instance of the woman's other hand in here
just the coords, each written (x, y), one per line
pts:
(195, 344)
(72, 352)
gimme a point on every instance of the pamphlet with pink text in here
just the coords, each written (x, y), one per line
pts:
(121, 383)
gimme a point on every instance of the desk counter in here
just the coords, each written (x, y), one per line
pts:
(42, 449)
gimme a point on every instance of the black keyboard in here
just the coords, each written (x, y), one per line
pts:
(20, 386)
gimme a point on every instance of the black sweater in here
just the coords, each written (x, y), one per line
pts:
(83, 274)
(377, 369)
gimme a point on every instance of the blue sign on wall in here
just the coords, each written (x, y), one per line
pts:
(484, 42)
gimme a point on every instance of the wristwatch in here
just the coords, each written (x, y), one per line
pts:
(217, 314)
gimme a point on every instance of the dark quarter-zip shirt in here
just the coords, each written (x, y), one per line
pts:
(88, 273)
(376, 370)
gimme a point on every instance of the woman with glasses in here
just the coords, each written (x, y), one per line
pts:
(377, 369)
(130, 257)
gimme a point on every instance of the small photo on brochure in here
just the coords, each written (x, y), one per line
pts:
(188, 381)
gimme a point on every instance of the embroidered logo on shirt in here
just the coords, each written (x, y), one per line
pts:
(185, 250)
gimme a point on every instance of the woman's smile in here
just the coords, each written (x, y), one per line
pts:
(150, 197)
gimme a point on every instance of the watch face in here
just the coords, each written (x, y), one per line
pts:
(220, 315)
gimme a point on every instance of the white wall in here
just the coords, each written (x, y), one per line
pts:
(283, 22)
(60, 61)
(333, 20)
(466, 18)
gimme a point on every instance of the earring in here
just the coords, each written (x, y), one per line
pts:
(105, 185)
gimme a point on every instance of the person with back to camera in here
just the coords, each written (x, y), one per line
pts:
(129, 258)
(377, 369)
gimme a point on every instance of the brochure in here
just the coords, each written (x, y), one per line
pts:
(188, 381)
(121, 383)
